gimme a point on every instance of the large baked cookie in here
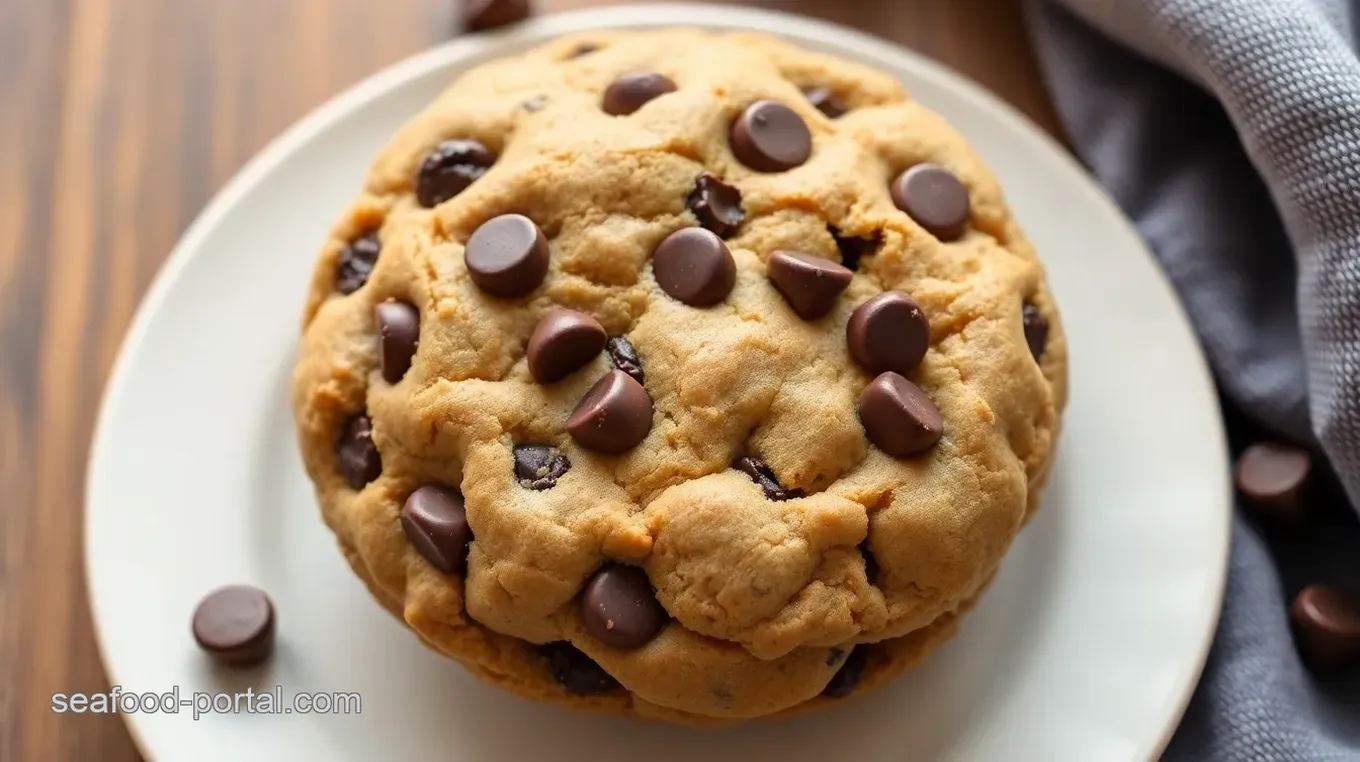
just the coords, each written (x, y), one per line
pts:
(679, 374)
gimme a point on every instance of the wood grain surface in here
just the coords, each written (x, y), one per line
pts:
(118, 121)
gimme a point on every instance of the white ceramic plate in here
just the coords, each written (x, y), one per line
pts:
(1086, 648)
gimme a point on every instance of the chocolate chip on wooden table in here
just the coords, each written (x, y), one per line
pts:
(613, 417)
(355, 262)
(507, 256)
(888, 332)
(619, 607)
(398, 337)
(489, 14)
(935, 198)
(1274, 478)
(809, 283)
(538, 467)
(694, 266)
(625, 358)
(357, 456)
(563, 341)
(854, 248)
(631, 91)
(1036, 330)
(826, 101)
(449, 169)
(763, 475)
(435, 522)
(770, 137)
(716, 204)
(235, 625)
(577, 673)
(1326, 624)
(843, 683)
(898, 417)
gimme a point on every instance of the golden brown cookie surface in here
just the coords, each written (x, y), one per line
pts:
(647, 351)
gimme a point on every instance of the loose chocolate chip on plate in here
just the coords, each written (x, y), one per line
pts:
(435, 522)
(761, 473)
(826, 101)
(625, 358)
(398, 336)
(935, 198)
(356, 262)
(489, 14)
(847, 677)
(809, 283)
(449, 169)
(235, 625)
(898, 417)
(1274, 478)
(888, 332)
(538, 467)
(1036, 330)
(770, 137)
(694, 266)
(619, 608)
(854, 248)
(357, 456)
(577, 673)
(613, 417)
(1326, 625)
(535, 103)
(562, 342)
(629, 92)
(507, 256)
(717, 205)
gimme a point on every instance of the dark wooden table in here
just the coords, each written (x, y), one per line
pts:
(118, 121)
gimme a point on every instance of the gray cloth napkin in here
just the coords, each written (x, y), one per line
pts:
(1229, 131)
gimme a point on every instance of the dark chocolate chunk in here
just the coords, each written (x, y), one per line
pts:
(1036, 330)
(809, 283)
(449, 169)
(355, 262)
(763, 475)
(538, 467)
(625, 358)
(854, 248)
(619, 607)
(577, 673)
(356, 455)
(716, 204)
(435, 522)
(398, 336)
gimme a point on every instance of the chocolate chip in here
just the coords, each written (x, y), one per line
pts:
(507, 256)
(935, 198)
(762, 474)
(888, 332)
(235, 625)
(577, 673)
(716, 204)
(435, 521)
(535, 103)
(613, 417)
(694, 266)
(625, 358)
(489, 14)
(1326, 624)
(357, 455)
(770, 137)
(854, 248)
(619, 608)
(449, 169)
(398, 336)
(538, 467)
(1036, 330)
(898, 417)
(355, 263)
(629, 92)
(847, 677)
(870, 563)
(1274, 478)
(562, 342)
(825, 101)
(809, 283)
(584, 49)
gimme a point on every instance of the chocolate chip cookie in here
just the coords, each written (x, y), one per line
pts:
(678, 374)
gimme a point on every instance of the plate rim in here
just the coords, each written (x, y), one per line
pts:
(358, 95)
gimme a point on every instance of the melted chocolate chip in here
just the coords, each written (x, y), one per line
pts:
(847, 677)
(356, 455)
(356, 262)
(538, 467)
(449, 169)
(1036, 330)
(854, 248)
(716, 204)
(763, 475)
(577, 673)
(625, 358)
